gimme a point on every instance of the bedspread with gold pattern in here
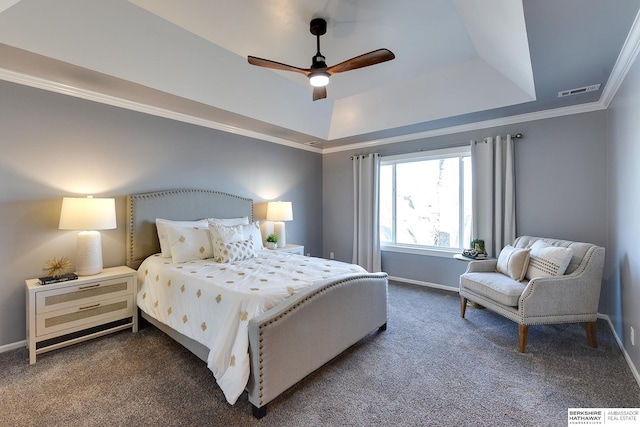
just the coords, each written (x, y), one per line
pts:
(212, 303)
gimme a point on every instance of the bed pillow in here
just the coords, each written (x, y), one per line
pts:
(223, 234)
(234, 233)
(230, 221)
(253, 231)
(235, 251)
(189, 243)
(513, 262)
(165, 246)
(546, 260)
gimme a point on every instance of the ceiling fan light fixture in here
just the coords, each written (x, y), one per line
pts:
(319, 73)
(319, 79)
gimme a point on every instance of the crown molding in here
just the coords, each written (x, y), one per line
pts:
(51, 86)
(503, 121)
(626, 59)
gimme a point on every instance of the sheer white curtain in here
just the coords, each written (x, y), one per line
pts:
(493, 193)
(366, 228)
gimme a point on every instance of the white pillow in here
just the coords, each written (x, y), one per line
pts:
(230, 221)
(235, 251)
(253, 231)
(189, 243)
(513, 262)
(223, 234)
(165, 246)
(234, 233)
(546, 260)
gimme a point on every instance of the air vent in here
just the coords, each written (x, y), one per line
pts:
(579, 90)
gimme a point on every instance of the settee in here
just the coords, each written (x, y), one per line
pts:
(523, 286)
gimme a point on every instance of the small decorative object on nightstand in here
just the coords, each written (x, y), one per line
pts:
(292, 249)
(65, 313)
(272, 241)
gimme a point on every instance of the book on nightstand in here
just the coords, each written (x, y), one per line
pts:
(57, 279)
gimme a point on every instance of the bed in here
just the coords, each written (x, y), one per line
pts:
(290, 338)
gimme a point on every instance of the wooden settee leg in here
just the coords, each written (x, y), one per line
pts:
(523, 332)
(463, 306)
(591, 334)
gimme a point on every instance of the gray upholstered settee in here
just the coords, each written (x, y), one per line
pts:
(570, 298)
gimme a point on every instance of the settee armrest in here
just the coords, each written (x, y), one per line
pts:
(483, 266)
(576, 294)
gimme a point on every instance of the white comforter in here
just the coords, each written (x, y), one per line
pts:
(212, 303)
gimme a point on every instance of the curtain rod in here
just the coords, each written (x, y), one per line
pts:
(518, 135)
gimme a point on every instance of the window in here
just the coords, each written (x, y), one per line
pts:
(425, 200)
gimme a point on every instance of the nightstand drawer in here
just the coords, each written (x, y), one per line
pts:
(83, 294)
(82, 316)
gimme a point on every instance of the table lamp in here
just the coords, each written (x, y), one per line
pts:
(279, 212)
(88, 214)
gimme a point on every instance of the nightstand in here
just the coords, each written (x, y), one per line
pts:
(293, 249)
(61, 314)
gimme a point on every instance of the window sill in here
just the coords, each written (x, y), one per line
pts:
(443, 253)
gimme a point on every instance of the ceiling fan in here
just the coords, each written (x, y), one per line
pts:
(319, 73)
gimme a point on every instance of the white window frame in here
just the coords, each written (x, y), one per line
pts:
(460, 152)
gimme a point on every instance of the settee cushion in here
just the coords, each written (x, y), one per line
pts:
(513, 262)
(496, 286)
(547, 260)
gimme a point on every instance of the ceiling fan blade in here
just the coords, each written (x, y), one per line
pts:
(267, 63)
(319, 93)
(364, 60)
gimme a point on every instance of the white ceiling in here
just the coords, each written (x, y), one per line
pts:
(457, 61)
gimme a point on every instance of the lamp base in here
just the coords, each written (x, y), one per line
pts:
(278, 229)
(89, 253)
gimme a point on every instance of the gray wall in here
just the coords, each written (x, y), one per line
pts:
(621, 283)
(561, 190)
(54, 145)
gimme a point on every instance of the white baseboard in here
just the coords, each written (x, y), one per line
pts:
(13, 346)
(634, 371)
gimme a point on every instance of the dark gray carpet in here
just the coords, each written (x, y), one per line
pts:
(429, 368)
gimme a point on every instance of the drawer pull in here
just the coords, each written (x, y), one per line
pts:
(89, 286)
(87, 307)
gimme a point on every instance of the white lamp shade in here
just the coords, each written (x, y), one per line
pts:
(279, 211)
(87, 213)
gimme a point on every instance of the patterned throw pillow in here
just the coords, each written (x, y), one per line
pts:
(513, 262)
(189, 243)
(163, 224)
(224, 234)
(235, 251)
(234, 233)
(546, 260)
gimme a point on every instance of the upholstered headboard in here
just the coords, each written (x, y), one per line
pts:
(143, 209)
